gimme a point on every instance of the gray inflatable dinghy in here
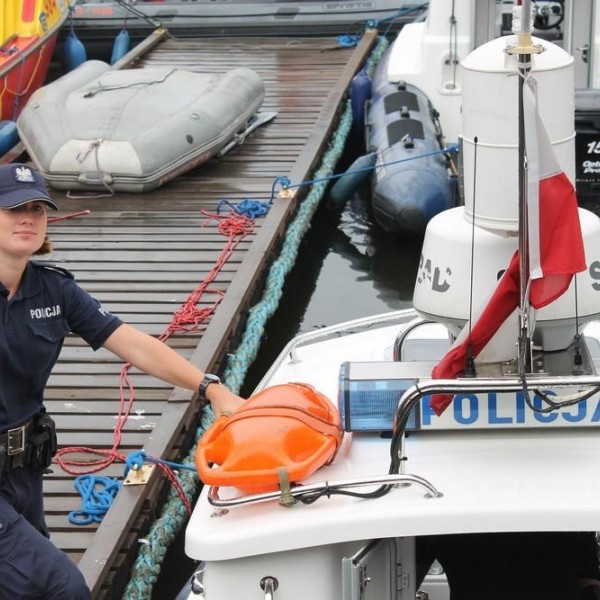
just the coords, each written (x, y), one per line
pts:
(133, 130)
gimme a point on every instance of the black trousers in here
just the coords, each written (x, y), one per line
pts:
(31, 566)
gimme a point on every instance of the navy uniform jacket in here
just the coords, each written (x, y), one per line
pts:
(48, 305)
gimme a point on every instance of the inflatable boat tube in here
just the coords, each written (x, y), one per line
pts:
(411, 182)
(133, 130)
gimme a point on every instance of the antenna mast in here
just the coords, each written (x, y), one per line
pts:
(524, 49)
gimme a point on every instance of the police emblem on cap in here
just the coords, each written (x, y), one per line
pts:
(24, 174)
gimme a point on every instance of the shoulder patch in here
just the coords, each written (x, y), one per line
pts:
(52, 267)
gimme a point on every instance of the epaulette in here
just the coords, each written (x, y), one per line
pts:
(52, 267)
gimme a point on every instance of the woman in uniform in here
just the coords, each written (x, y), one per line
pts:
(39, 306)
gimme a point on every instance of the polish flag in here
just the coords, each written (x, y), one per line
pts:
(555, 250)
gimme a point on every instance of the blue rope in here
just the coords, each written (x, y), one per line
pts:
(283, 181)
(258, 209)
(135, 460)
(453, 148)
(97, 494)
(254, 208)
(250, 208)
(348, 41)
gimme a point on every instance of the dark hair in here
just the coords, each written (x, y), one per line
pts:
(45, 248)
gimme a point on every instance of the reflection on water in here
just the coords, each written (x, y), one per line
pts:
(372, 270)
(347, 267)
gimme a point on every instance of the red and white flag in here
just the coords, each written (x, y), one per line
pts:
(555, 243)
(556, 250)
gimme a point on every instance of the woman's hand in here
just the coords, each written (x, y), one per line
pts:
(223, 400)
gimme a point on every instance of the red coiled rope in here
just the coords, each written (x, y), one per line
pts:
(188, 318)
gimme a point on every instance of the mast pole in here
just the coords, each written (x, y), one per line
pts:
(524, 50)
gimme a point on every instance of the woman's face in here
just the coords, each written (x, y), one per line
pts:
(23, 229)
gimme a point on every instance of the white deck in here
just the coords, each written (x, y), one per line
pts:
(491, 480)
(486, 479)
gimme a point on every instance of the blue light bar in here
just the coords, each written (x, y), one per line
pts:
(369, 392)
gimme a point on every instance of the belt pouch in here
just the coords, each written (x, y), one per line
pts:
(43, 442)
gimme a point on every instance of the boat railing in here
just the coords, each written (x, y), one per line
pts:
(404, 333)
(400, 317)
(292, 495)
(481, 385)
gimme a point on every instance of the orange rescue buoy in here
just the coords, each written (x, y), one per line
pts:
(290, 426)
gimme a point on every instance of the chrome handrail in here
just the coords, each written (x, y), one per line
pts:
(403, 334)
(312, 488)
(476, 385)
(310, 336)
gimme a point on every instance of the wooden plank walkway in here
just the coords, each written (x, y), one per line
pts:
(142, 255)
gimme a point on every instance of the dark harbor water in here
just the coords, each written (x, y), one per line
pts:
(347, 267)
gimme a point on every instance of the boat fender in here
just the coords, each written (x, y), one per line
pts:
(345, 187)
(360, 92)
(281, 434)
(120, 46)
(74, 53)
(9, 136)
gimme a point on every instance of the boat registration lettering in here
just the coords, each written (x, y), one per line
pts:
(595, 274)
(344, 6)
(437, 277)
(508, 410)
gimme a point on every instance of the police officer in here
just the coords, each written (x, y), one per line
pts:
(39, 305)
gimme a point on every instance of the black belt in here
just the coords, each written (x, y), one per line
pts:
(32, 445)
(15, 440)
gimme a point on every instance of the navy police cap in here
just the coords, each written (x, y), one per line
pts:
(20, 184)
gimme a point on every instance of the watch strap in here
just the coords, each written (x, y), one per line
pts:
(206, 381)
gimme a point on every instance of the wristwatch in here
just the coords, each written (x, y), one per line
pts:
(206, 381)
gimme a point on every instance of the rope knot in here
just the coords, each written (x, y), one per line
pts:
(135, 460)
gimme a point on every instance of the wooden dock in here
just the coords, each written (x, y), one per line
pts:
(143, 255)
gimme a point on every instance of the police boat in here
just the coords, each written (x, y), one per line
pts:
(475, 412)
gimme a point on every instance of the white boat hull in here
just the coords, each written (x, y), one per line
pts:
(485, 481)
